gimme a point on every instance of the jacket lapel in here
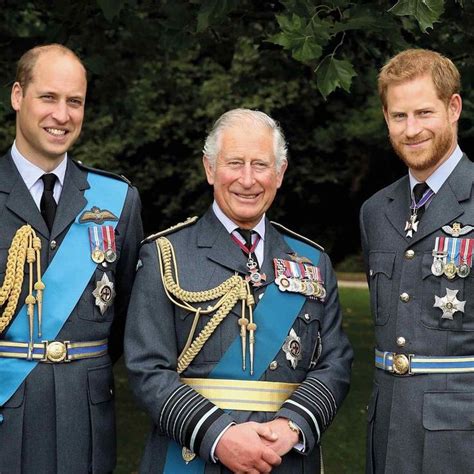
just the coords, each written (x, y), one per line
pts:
(398, 209)
(19, 200)
(445, 206)
(72, 199)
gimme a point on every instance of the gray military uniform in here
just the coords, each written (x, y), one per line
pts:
(61, 419)
(157, 331)
(421, 423)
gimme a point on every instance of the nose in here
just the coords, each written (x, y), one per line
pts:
(60, 112)
(413, 127)
(247, 175)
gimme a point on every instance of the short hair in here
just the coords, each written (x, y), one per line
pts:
(413, 63)
(235, 117)
(26, 64)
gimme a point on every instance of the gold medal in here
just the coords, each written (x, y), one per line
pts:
(98, 256)
(450, 270)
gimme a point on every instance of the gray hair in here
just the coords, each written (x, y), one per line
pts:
(234, 118)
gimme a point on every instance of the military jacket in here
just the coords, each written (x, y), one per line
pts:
(420, 423)
(157, 331)
(61, 418)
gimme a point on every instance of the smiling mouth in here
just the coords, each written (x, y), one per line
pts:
(56, 132)
(420, 142)
(247, 196)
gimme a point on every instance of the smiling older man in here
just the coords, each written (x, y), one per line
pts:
(234, 342)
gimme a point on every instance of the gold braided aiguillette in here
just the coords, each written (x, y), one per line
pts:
(25, 247)
(229, 292)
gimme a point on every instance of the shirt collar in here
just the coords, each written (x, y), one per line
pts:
(230, 225)
(441, 174)
(32, 173)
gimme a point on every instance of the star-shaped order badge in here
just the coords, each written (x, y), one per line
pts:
(104, 293)
(449, 304)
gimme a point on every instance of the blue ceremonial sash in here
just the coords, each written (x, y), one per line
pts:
(274, 316)
(65, 280)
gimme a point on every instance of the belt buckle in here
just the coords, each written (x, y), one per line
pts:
(401, 364)
(55, 351)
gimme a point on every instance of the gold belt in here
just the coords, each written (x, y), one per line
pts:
(243, 395)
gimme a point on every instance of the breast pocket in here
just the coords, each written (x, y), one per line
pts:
(381, 285)
(438, 286)
(307, 329)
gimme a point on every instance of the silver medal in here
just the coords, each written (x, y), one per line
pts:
(292, 348)
(104, 293)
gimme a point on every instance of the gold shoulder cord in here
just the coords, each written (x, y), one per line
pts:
(229, 292)
(25, 246)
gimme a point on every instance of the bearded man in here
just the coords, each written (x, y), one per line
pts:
(417, 239)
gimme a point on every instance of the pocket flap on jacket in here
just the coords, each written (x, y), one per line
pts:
(448, 411)
(381, 262)
(101, 384)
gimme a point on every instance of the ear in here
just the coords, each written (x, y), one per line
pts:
(16, 96)
(209, 170)
(454, 108)
(281, 173)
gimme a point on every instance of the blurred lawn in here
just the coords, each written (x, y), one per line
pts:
(343, 443)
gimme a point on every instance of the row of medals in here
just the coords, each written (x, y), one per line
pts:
(440, 267)
(305, 287)
(99, 256)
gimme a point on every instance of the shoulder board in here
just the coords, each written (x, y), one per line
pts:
(109, 174)
(170, 230)
(285, 230)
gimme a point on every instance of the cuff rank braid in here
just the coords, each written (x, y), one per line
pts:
(314, 402)
(187, 416)
(228, 293)
(25, 247)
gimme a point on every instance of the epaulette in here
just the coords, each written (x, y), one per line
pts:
(169, 230)
(285, 230)
(109, 174)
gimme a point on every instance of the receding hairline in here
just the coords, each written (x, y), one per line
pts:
(28, 61)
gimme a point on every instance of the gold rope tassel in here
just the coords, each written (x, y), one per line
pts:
(228, 292)
(25, 248)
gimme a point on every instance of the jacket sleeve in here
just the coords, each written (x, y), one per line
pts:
(151, 355)
(315, 403)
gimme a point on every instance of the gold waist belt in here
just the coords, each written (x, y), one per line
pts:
(243, 395)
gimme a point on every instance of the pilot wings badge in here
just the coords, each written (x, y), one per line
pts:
(98, 216)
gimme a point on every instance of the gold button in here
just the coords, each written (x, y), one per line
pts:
(409, 254)
(273, 365)
(53, 244)
(401, 341)
(404, 297)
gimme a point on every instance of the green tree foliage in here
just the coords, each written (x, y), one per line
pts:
(160, 73)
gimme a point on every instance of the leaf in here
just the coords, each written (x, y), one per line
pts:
(304, 39)
(213, 12)
(110, 8)
(333, 73)
(426, 12)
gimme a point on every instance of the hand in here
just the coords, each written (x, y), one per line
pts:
(242, 448)
(286, 438)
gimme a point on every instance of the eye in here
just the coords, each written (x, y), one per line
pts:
(260, 165)
(47, 97)
(425, 113)
(235, 163)
(75, 102)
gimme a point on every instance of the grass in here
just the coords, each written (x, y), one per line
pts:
(343, 443)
